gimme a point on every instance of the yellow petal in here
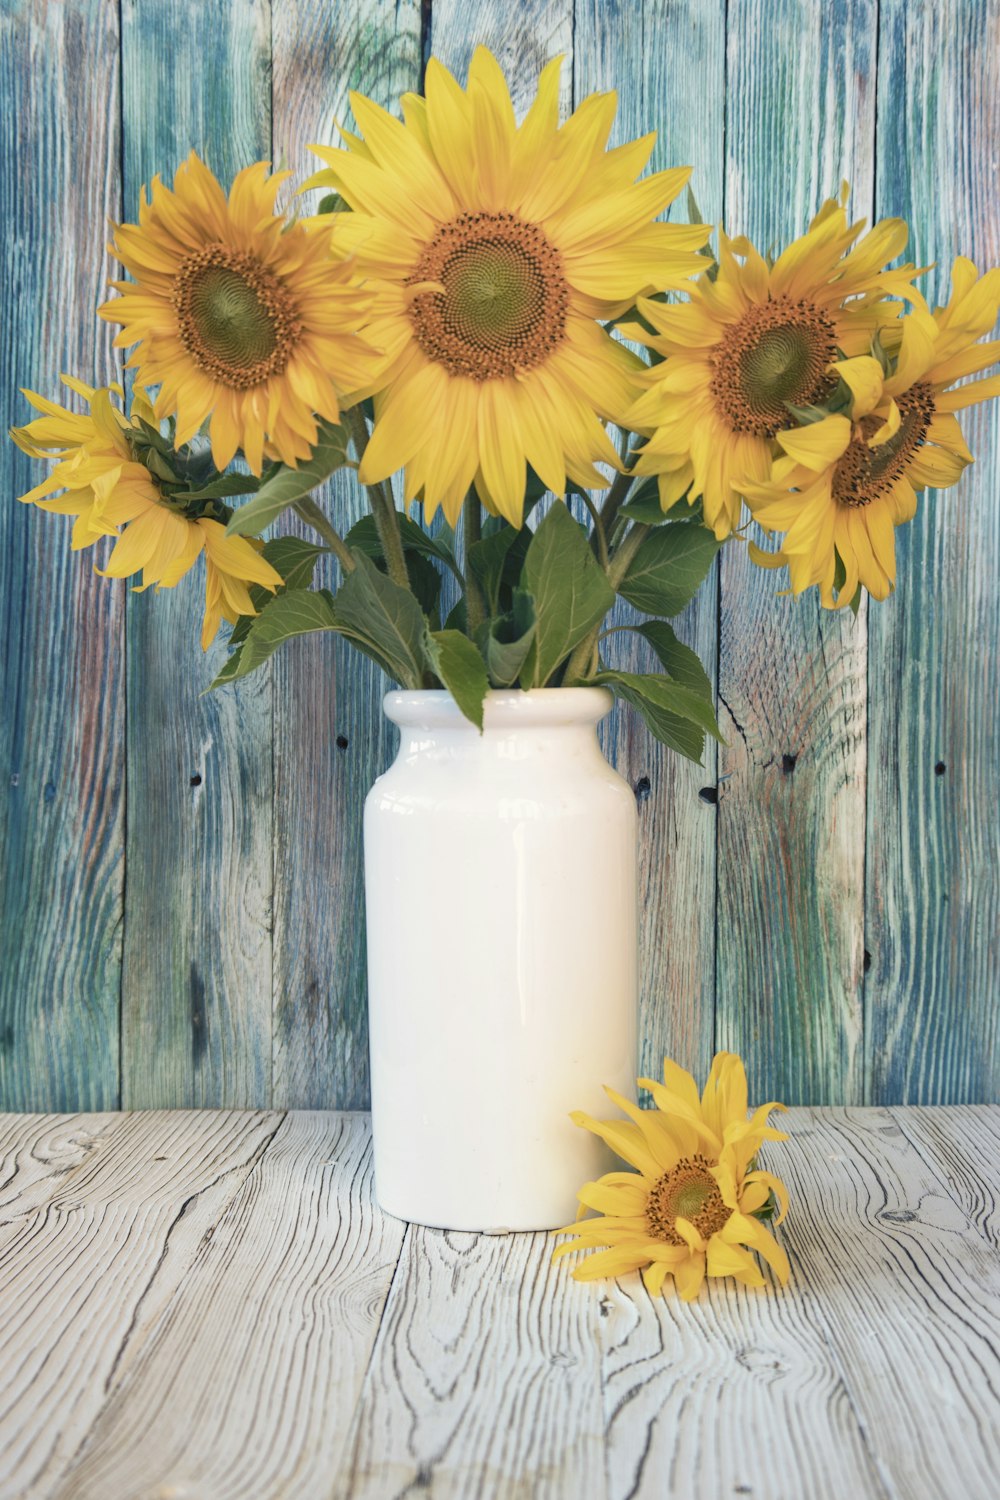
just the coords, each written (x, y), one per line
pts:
(819, 444)
(863, 376)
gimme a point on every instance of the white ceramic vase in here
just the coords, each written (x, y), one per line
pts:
(500, 879)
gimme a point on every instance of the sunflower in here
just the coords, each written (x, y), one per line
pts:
(691, 1208)
(98, 481)
(751, 343)
(844, 483)
(240, 316)
(497, 250)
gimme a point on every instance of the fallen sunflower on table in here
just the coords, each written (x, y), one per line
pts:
(695, 1205)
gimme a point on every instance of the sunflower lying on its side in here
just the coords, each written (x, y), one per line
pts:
(694, 1207)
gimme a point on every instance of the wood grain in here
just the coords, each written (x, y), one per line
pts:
(856, 820)
(485, 1379)
(962, 1145)
(85, 1274)
(330, 738)
(61, 685)
(262, 1351)
(197, 1304)
(196, 1014)
(667, 62)
(800, 116)
(933, 888)
(864, 1377)
(910, 1294)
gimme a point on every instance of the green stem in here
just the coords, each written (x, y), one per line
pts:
(602, 545)
(615, 499)
(475, 603)
(382, 504)
(581, 664)
(310, 512)
(623, 558)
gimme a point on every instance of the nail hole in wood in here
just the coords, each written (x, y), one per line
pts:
(710, 794)
(341, 742)
(642, 789)
(940, 768)
(196, 781)
(788, 763)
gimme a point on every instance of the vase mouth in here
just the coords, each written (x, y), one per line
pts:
(503, 708)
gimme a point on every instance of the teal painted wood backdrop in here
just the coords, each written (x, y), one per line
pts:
(181, 918)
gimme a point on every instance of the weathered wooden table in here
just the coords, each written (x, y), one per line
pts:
(202, 1304)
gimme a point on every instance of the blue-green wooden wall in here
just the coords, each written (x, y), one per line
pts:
(180, 910)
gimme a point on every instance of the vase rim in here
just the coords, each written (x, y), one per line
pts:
(504, 708)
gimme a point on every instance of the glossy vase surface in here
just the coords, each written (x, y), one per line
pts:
(500, 879)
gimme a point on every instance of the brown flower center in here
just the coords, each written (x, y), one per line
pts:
(503, 298)
(863, 474)
(234, 317)
(776, 356)
(688, 1192)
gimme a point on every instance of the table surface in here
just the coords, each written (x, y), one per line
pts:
(209, 1304)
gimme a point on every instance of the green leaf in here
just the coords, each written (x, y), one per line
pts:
(364, 535)
(332, 203)
(288, 485)
(282, 618)
(506, 640)
(454, 659)
(679, 660)
(669, 568)
(840, 578)
(487, 559)
(644, 507)
(570, 591)
(458, 617)
(225, 484)
(673, 729)
(668, 696)
(295, 559)
(231, 671)
(383, 620)
(425, 580)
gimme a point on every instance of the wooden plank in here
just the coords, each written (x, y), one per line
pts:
(857, 1379)
(39, 1153)
(196, 1017)
(84, 1278)
(737, 1394)
(911, 1296)
(667, 61)
(246, 1383)
(61, 683)
(485, 1378)
(800, 116)
(331, 740)
(933, 918)
(962, 1145)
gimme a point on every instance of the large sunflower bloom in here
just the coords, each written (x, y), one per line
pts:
(98, 481)
(239, 315)
(690, 1208)
(843, 484)
(497, 250)
(751, 343)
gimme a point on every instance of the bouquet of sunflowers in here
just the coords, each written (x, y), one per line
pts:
(463, 309)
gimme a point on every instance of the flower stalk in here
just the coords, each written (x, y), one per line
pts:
(382, 504)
